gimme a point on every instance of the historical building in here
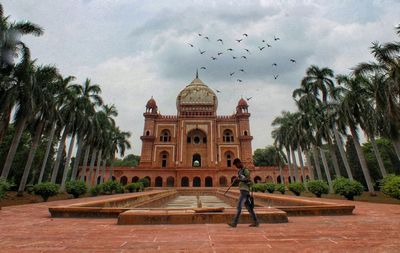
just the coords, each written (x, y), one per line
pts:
(196, 147)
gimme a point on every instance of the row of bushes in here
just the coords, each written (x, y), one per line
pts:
(390, 186)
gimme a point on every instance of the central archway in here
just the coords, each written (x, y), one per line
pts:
(185, 182)
(196, 182)
(196, 160)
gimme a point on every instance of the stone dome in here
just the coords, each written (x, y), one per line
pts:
(151, 104)
(242, 103)
(196, 93)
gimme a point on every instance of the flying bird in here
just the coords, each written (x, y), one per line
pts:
(261, 48)
(293, 60)
(242, 70)
(217, 91)
(234, 57)
(231, 74)
(263, 41)
(268, 45)
(213, 58)
(248, 51)
(274, 64)
(276, 76)
(203, 68)
(202, 52)
(199, 34)
(245, 34)
(207, 38)
(219, 53)
(249, 98)
(276, 38)
(191, 45)
(239, 80)
(239, 40)
(229, 49)
(220, 40)
(244, 57)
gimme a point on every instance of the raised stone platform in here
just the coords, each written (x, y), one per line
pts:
(151, 216)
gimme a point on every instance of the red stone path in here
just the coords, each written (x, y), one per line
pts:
(29, 228)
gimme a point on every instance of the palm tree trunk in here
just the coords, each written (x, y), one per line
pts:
(289, 165)
(93, 159)
(98, 166)
(334, 157)
(316, 161)
(85, 162)
(378, 156)
(59, 154)
(4, 123)
(77, 159)
(19, 129)
(299, 154)
(32, 151)
(295, 168)
(66, 165)
(112, 167)
(46, 156)
(309, 166)
(342, 152)
(396, 145)
(326, 168)
(103, 172)
(362, 160)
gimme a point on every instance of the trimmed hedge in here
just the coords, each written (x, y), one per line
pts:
(297, 188)
(347, 188)
(280, 188)
(259, 187)
(390, 186)
(134, 187)
(318, 187)
(76, 188)
(46, 190)
(144, 181)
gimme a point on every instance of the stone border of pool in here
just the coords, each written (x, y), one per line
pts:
(270, 208)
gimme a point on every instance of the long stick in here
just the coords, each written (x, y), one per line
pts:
(230, 187)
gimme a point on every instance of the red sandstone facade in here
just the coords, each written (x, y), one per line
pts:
(196, 147)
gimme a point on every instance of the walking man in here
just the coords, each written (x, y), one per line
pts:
(244, 185)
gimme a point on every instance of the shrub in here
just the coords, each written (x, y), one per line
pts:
(29, 188)
(96, 190)
(269, 187)
(318, 187)
(390, 186)
(281, 188)
(109, 187)
(76, 188)
(259, 187)
(134, 187)
(297, 188)
(145, 182)
(119, 188)
(46, 190)
(4, 187)
(347, 188)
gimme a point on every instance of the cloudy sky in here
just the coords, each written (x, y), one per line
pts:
(139, 49)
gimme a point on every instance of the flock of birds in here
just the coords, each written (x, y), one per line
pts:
(243, 53)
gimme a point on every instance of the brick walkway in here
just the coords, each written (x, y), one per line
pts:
(29, 228)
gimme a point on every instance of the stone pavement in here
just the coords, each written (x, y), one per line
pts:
(29, 228)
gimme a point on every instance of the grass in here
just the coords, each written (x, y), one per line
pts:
(365, 197)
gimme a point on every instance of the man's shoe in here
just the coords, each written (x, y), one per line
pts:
(233, 225)
(254, 224)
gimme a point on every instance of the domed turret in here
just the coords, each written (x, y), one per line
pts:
(242, 106)
(242, 103)
(196, 99)
(151, 106)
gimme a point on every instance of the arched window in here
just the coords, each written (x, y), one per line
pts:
(149, 179)
(185, 182)
(147, 133)
(279, 180)
(196, 137)
(98, 179)
(209, 182)
(228, 157)
(135, 179)
(196, 161)
(164, 159)
(196, 182)
(170, 182)
(257, 179)
(158, 182)
(222, 181)
(269, 179)
(227, 136)
(123, 180)
(113, 178)
(245, 133)
(165, 136)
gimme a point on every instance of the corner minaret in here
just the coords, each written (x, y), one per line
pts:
(148, 136)
(242, 116)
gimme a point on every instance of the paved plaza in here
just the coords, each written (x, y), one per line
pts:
(29, 228)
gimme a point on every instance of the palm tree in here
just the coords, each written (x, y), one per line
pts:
(279, 160)
(45, 78)
(119, 143)
(351, 109)
(10, 46)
